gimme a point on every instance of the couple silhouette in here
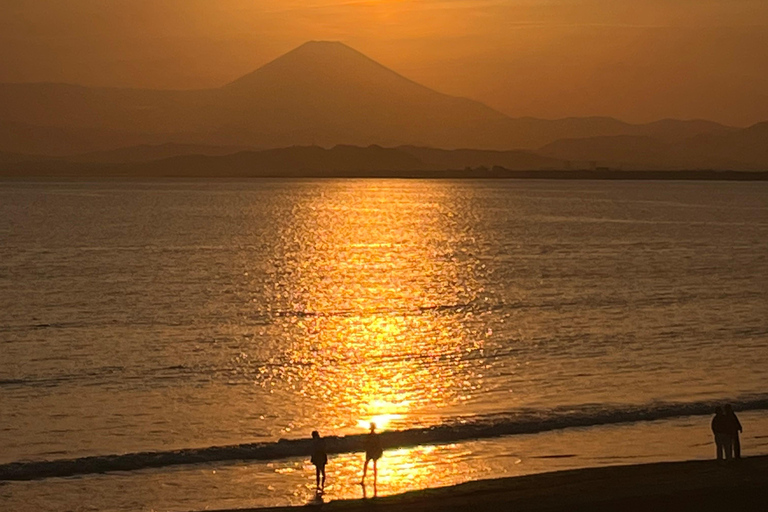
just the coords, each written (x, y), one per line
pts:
(726, 428)
(373, 452)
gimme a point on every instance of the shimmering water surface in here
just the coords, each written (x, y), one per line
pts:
(153, 316)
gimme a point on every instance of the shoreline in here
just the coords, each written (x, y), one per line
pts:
(111, 174)
(696, 485)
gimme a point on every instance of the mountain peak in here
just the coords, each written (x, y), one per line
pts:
(326, 52)
(323, 46)
(325, 49)
(313, 59)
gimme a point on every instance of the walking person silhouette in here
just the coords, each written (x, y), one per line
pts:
(319, 459)
(733, 429)
(373, 452)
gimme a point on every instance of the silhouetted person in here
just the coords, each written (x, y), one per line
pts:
(373, 452)
(319, 459)
(723, 442)
(734, 427)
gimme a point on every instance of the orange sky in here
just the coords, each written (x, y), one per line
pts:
(637, 60)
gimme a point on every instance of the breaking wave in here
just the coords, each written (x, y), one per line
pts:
(528, 421)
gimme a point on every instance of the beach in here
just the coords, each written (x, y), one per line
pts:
(679, 486)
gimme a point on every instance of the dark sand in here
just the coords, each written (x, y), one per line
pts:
(673, 486)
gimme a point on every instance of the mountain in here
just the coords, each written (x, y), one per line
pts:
(150, 152)
(296, 160)
(321, 93)
(745, 149)
(292, 161)
(326, 93)
(675, 130)
(62, 139)
(611, 151)
(628, 152)
(748, 146)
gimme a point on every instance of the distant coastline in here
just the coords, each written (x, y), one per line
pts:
(79, 173)
(346, 161)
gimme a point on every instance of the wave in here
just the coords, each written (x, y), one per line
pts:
(270, 316)
(528, 421)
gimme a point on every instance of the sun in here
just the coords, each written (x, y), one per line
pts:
(383, 413)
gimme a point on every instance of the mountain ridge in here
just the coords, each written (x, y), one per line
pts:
(320, 93)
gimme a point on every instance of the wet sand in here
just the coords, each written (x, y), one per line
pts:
(674, 486)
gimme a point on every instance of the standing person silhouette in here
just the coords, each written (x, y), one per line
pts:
(734, 427)
(723, 444)
(319, 459)
(373, 452)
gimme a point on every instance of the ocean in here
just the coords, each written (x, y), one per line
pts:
(170, 345)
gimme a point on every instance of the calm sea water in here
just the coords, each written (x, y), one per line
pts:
(156, 316)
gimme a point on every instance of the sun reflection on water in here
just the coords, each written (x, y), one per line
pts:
(379, 303)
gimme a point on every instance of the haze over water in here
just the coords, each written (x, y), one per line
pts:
(152, 316)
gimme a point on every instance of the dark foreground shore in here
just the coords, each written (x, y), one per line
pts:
(670, 486)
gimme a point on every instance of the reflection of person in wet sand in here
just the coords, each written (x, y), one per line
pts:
(319, 459)
(373, 452)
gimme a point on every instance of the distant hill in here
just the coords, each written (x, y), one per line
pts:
(291, 161)
(321, 93)
(62, 139)
(674, 130)
(345, 162)
(150, 152)
(745, 149)
(748, 146)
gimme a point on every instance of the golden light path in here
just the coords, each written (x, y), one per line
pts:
(374, 278)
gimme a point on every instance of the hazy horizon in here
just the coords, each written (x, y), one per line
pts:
(550, 60)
